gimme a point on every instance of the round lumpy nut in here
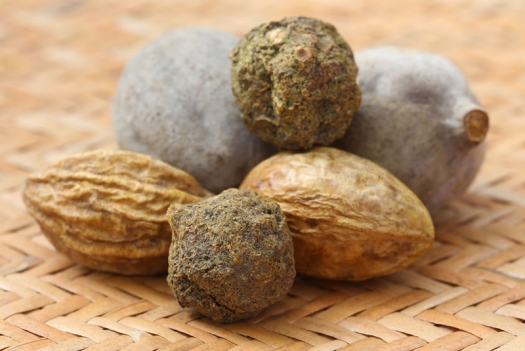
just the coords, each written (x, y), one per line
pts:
(174, 102)
(295, 81)
(231, 255)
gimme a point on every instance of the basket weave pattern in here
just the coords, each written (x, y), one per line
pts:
(59, 64)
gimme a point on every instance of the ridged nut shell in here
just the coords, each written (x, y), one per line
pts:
(106, 209)
(350, 219)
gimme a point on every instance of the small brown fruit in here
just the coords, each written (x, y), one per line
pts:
(350, 219)
(231, 256)
(105, 209)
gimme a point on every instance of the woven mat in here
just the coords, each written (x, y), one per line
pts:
(59, 63)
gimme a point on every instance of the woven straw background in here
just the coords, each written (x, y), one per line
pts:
(59, 64)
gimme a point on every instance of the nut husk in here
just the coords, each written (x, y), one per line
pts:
(105, 209)
(350, 219)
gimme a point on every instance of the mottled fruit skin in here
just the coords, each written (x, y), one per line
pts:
(418, 119)
(295, 81)
(174, 102)
(350, 219)
(231, 256)
(105, 209)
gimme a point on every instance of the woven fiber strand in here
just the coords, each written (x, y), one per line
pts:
(59, 64)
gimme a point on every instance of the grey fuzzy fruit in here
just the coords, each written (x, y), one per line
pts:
(420, 120)
(174, 102)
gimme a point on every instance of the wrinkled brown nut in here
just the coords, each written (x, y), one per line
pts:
(106, 209)
(231, 256)
(295, 81)
(350, 219)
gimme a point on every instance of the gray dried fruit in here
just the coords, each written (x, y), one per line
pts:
(174, 102)
(420, 120)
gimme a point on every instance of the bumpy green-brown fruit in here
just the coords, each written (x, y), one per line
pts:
(350, 219)
(231, 256)
(295, 81)
(420, 120)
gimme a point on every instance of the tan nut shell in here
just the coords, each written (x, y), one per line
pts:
(350, 219)
(106, 209)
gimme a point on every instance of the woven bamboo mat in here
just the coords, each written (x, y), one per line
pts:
(59, 63)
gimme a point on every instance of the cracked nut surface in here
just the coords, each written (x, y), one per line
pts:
(105, 209)
(295, 82)
(350, 219)
(231, 256)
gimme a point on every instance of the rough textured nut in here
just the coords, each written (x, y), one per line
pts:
(231, 256)
(174, 102)
(350, 219)
(106, 209)
(295, 81)
(420, 120)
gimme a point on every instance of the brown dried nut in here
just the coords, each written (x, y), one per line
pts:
(106, 209)
(350, 219)
(231, 255)
(295, 82)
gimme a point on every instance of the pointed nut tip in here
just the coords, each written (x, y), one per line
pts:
(476, 125)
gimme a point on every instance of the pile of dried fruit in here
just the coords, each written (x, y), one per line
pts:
(320, 210)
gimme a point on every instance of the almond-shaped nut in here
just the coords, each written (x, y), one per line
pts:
(350, 219)
(106, 209)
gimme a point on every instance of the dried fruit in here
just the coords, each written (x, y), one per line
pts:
(350, 219)
(420, 120)
(174, 102)
(105, 209)
(231, 256)
(295, 81)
